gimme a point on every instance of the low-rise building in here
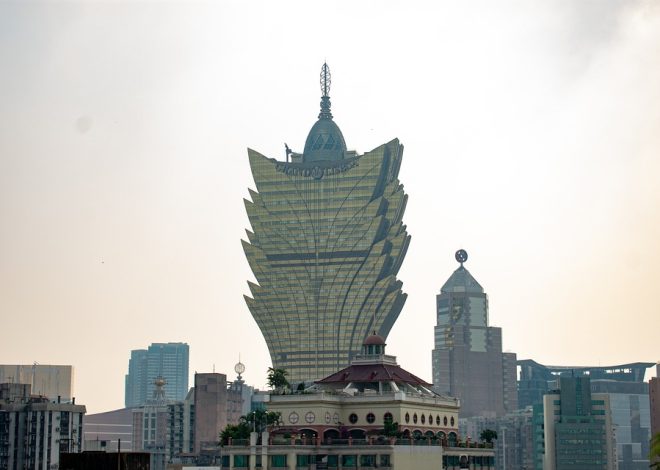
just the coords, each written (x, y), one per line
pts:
(515, 437)
(114, 428)
(370, 414)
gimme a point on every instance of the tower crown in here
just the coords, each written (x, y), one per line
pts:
(325, 140)
(461, 280)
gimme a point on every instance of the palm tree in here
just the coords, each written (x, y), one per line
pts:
(277, 379)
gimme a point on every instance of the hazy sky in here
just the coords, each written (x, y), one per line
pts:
(532, 140)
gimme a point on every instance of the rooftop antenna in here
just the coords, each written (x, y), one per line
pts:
(325, 90)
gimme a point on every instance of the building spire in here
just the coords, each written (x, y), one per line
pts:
(325, 90)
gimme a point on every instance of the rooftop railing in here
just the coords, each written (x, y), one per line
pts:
(375, 441)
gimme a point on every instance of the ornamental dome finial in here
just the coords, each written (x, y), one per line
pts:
(325, 92)
(325, 140)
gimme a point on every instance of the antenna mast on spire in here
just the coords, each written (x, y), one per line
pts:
(325, 79)
(325, 90)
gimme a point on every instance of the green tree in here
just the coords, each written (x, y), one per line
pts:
(654, 455)
(258, 420)
(261, 420)
(235, 431)
(487, 435)
(277, 379)
(391, 429)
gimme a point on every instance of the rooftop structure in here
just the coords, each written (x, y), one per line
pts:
(537, 379)
(48, 380)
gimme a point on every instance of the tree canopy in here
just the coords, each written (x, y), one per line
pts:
(256, 421)
(488, 435)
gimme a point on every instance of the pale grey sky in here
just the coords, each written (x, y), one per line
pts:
(532, 140)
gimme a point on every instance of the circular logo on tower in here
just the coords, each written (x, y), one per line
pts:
(317, 173)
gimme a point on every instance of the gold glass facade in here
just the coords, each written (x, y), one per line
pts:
(326, 244)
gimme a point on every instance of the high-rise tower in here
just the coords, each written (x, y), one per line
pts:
(167, 360)
(326, 244)
(468, 362)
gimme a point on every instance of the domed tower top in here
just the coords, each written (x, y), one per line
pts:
(374, 345)
(325, 140)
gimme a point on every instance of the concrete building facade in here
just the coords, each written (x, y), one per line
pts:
(468, 362)
(239, 397)
(34, 430)
(654, 401)
(181, 427)
(150, 426)
(210, 408)
(110, 427)
(514, 446)
(326, 244)
(51, 381)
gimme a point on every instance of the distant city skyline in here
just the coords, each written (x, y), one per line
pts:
(531, 131)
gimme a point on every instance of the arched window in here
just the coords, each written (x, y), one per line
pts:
(371, 418)
(353, 418)
(437, 420)
(445, 421)
(423, 419)
(430, 419)
(407, 417)
(452, 420)
(415, 418)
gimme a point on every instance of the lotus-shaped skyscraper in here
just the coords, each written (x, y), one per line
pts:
(326, 244)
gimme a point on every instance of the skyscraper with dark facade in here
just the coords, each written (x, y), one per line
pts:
(468, 362)
(167, 360)
(326, 244)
